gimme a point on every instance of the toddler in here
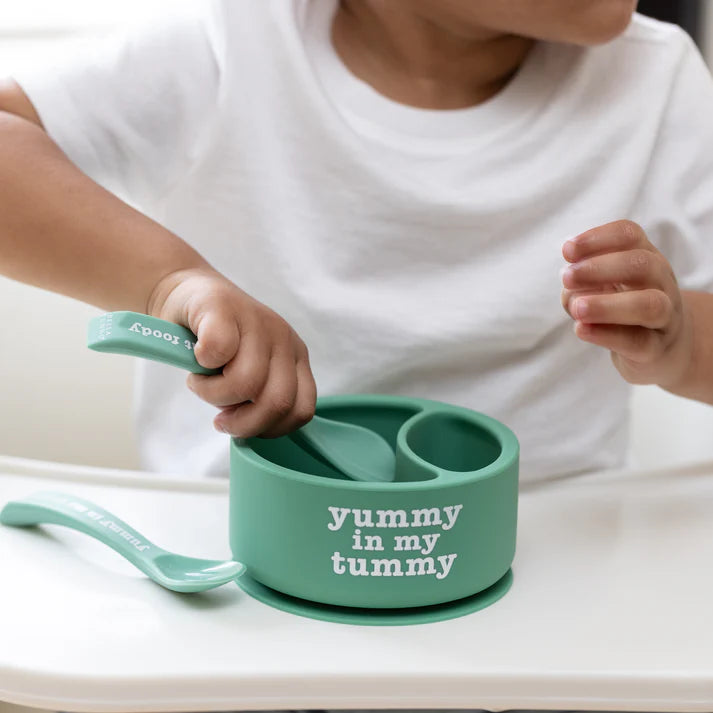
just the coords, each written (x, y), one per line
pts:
(395, 185)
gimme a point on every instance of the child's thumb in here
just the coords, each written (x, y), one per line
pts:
(218, 338)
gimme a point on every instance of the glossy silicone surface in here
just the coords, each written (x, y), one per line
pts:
(175, 572)
(443, 530)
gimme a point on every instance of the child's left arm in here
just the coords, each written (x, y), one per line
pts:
(623, 295)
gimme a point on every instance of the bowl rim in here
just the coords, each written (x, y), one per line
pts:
(443, 478)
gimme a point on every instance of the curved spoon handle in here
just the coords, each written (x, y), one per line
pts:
(59, 509)
(145, 336)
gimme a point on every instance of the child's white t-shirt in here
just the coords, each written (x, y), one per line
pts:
(414, 251)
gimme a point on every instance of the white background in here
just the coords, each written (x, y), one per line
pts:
(59, 401)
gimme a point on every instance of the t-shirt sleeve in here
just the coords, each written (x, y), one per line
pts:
(676, 201)
(132, 110)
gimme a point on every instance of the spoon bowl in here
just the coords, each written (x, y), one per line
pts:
(357, 452)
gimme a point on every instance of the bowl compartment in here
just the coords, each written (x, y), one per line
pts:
(294, 454)
(452, 442)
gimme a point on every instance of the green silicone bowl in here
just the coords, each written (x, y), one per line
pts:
(443, 530)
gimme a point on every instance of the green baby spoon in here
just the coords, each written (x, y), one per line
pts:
(357, 452)
(175, 572)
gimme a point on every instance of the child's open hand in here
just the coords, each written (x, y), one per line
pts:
(266, 387)
(622, 294)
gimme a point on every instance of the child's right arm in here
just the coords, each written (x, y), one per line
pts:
(63, 232)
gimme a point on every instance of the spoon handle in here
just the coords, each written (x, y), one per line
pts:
(145, 336)
(59, 509)
(149, 337)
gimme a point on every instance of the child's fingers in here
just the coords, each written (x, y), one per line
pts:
(636, 268)
(305, 401)
(645, 308)
(612, 237)
(274, 403)
(566, 295)
(637, 344)
(218, 338)
(243, 379)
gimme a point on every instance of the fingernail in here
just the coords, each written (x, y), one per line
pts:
(568, 249)
(582, 329)
(567, 275)
(580, 308)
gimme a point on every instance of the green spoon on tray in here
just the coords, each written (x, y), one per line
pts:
(357, 452)
(175, 572)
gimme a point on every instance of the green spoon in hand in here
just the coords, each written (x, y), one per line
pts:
(357, 452)
(175, 572)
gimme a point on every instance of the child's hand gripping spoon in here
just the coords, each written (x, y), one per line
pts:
(176, 572)
(357, 452)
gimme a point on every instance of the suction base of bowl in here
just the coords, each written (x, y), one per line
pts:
(377, 617)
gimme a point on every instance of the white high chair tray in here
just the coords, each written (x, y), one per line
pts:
(611, 609)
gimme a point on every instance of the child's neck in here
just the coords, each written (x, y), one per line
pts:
(416, 62)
